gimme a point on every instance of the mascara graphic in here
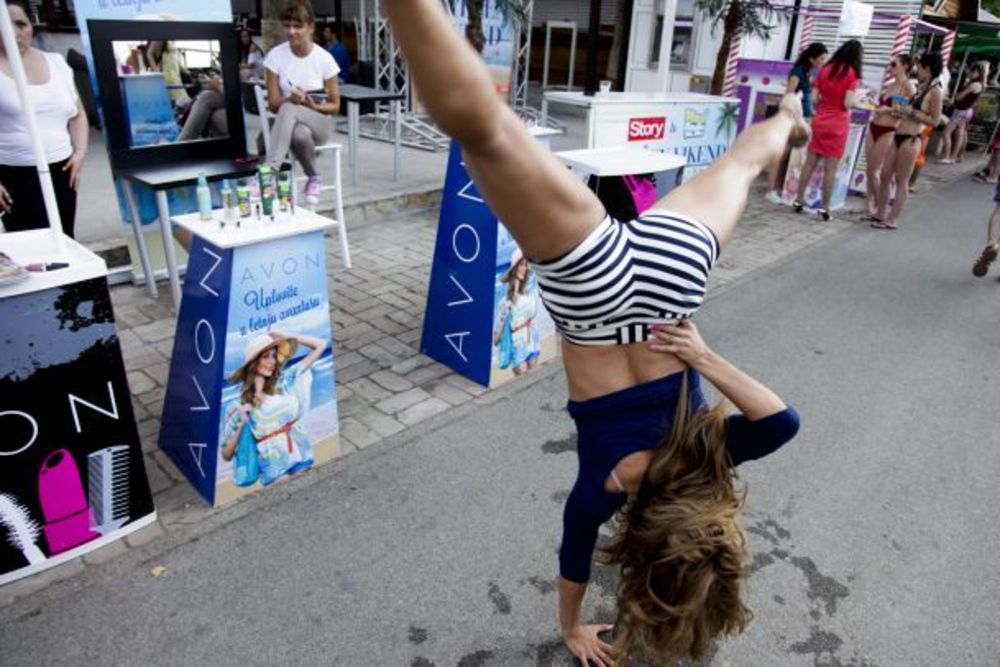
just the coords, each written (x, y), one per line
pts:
(22, 530)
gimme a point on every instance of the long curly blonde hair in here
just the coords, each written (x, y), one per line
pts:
(682, 552)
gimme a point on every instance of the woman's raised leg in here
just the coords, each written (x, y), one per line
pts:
(717, 196)
(547, 209)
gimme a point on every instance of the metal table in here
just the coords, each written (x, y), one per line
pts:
(354, 95)
(160, 179)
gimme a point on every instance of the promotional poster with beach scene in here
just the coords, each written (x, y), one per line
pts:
(524, 335)
(279, 408)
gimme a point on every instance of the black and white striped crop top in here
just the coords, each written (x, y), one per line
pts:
(625, 276)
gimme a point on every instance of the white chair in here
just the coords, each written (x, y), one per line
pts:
(336, 186)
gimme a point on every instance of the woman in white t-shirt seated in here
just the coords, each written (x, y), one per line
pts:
(61, 122)
(296, 70)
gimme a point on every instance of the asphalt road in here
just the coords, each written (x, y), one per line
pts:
(875, 534)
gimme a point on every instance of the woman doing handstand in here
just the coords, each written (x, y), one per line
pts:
(606, 285)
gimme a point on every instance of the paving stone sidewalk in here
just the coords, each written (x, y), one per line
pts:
(384, 384)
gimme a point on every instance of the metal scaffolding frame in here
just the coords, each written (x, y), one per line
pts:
(522, 74)
(393, 76)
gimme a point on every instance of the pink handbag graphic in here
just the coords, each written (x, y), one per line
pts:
(643, 191)
(68, 517)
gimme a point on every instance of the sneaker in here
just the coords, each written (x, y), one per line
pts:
(312, 189)
(982, 264)
(774, 197)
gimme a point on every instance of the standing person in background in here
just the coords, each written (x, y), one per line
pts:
(956, 135)
(878, 139)
(251, 57)
(63, 126)
(295, 69)
(799, 81)
(923, 112)
(836, 85)
(339, 52)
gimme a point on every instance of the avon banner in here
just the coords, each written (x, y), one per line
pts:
(485, 318)
(71, 471)
(251, 398)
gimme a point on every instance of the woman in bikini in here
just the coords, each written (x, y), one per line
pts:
(924, 111)
(878, 139)
(609, 286)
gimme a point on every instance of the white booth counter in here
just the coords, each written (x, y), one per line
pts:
(620, 161)
(41, 246)
(250, 230)
(695, 126)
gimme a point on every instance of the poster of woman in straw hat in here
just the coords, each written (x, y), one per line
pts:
(523, 332)
(269, 417)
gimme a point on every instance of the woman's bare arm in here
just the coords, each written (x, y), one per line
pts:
(545, 207)
(274, 97)
(749, 396)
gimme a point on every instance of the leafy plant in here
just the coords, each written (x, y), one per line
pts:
(755, 18)
(728, 119)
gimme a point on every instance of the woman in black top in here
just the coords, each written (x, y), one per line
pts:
(956, 135)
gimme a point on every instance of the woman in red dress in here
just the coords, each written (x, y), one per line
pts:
(835, 86)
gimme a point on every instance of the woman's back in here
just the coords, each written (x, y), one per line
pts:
(833, 89)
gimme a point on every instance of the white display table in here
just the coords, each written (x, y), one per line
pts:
(72, 477)
(620, 161)
(698, 127)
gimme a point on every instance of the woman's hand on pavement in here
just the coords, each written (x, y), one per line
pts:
(683, 341)
(583, 642)
(74, 165)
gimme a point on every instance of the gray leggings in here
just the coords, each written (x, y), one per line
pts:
(208, 110)
(300, 129)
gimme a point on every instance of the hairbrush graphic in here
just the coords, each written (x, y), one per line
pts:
(22, 530)
(108, 488)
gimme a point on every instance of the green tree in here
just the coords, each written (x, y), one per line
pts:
(737, 17)
(992, 6)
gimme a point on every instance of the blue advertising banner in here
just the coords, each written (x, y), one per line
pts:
(498, 42)
(484, 318)
(71, 472)
(253, 357)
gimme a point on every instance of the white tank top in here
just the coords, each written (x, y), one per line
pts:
(55, 103)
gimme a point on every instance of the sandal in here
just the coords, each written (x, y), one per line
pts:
(884, 225)
(823, 213)
(797, 206)
(982, 264)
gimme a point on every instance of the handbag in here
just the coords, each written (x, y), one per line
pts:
(643, 191)
(506, 349)
(246, 467)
